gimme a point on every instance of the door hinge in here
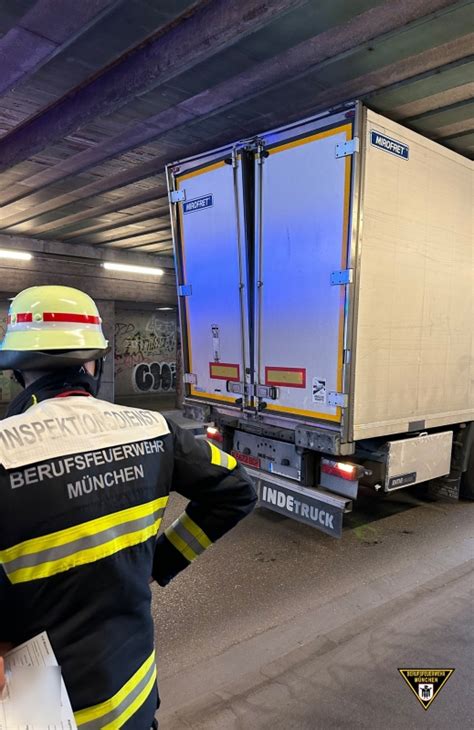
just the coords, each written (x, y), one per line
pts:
(251, 390)
(343, 149)
(190, 378)
(339, 278)
(267, 391)
(177, 196)
(185, 290)
(338, 399)
(238, 388)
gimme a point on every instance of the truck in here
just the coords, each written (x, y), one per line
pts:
(325, 277)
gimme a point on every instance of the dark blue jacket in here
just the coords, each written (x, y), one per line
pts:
(83, 488)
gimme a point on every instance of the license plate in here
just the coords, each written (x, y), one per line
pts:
(247, 459)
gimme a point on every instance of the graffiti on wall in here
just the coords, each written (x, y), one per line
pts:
(145, 352)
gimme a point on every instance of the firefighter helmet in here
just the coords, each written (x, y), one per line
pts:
(51, 327)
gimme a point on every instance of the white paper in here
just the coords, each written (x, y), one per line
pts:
(36, 652)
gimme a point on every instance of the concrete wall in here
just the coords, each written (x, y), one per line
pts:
(8, 387)
(145, 359)
(145, 352)
(107, 312)
(142, 359)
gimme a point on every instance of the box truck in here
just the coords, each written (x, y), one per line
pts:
(325, 284)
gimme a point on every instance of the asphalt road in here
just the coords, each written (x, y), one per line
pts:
(279, 626)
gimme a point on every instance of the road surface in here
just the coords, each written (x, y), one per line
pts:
(281, 627)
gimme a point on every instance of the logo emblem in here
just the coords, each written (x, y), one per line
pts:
(389, 145)
(191, 206)
(426, 684)
(425, 691)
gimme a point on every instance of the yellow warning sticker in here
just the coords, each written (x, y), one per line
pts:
(224, 371)
(426, 684)
(289, 377)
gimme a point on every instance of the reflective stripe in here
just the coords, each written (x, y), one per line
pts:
(215, 455)
(71, 317)
(83, 543)
(187, 537)
(20, 317)
(88, 542)
(114, 713)
(195, 530)
(220, 458)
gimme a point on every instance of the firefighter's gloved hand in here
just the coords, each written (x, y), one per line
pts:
(159, 581)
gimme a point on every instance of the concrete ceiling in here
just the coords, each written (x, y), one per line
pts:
(97, 96)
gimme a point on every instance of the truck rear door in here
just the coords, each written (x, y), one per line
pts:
(302, 220)
(212, 278)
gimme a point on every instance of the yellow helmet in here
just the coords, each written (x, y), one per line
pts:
(50, 327)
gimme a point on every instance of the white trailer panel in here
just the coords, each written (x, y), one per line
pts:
(305, 190)
(210, 224)
(414, 344)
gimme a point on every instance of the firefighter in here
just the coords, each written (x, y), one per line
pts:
(83, 487)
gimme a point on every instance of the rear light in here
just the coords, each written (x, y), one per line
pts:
(213, 434)
(351, 472)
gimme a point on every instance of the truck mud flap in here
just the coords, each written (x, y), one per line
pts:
(313, 507)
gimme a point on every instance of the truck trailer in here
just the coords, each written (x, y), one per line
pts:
(325, 285)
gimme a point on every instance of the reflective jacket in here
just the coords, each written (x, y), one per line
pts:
(83, 488)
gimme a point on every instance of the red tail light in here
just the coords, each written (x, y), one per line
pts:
(338, 469)
(213, 434)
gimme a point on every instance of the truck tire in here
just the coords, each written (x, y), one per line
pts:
(424, 492)
(467, 479)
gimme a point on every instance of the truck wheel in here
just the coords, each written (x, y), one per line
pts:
(467, 479)
(424, 492)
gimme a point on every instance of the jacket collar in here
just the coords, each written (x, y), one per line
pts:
(70, 381)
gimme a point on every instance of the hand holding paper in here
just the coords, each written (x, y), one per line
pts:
(35, 695)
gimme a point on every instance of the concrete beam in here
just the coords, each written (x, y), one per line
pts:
(299, 60)
(96, 281)
(42, 33)
(79, 266)
(162, 237)
(463, 143)
(113, 219)
(436, 118)
(64, 223)
(83, 251)
(392, 76)
(162, 247)
(98, 232)
(121, 233)
(403, 71)
(456, 129)
(211, 27)
(435, 101)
